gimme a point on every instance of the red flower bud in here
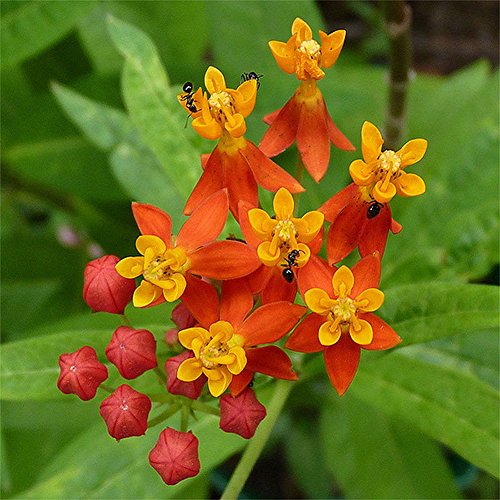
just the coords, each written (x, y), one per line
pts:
(175, 456)
(132, 351)
(104, 289)
(126, 412)
(192, 389)
(172, 337)
(81, 373)
(241, 414)
(182, 317)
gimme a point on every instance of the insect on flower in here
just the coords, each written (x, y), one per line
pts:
(251, 76)
(290, 259)
(188, 97)
(374, 209)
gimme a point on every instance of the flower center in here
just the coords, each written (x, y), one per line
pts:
(389, 162)
(210, 353)
(307, 61)
(311, 48)
(285, 230)
(221, 106)
(344, 309)
(163, 266)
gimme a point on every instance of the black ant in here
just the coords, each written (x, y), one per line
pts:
(251, 76)
(188, 97)
(374, 209)
(290, 259)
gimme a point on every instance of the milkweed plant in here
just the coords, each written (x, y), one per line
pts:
(262, 293)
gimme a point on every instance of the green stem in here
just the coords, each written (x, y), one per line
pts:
(256, 445)
(160, 374)
(398, 28)
(199, 406)
(125, 320)
(185, 414)
(164, 415)
(106, 388)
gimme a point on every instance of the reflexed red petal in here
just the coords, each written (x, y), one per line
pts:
(384, 337)
(202, 300)
(246, 228)
(132, 351)
(341, 361)
(345, 233)
(315, 274)
(191, 390)
(175, 456)
(236, 301)
(375, 233)
(182, 317)
(210, 182)
(316, 244)
(366, 274)
(269, 118)
(305, 337)
(396, 227)
(204, 160)
(268, 174)
(152, 220)
(336, 136)
(277, 288)
(241, 414)
(258, 280)
(104, 289)
(126, 412)
(224, 260)
(270, 322)
(332, 207)
(272, 361)
(283, 130)
(240, 381)
(313, 141)
(81, 373)
(206, 222)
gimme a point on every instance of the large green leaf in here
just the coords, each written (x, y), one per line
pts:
(35, 26)
(443, 396)
(374, 456)
(153, 106)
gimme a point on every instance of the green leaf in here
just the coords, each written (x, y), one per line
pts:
(374, 456)
(153, 107)
(95, 466)
(103, 125)
(35, 26)
(441, 396)
(425, 312)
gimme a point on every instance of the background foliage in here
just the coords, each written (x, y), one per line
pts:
(90, 122)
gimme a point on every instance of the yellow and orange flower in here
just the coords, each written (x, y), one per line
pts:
(342, 321)
(236, 163)
(275, 238)
(360, 213)
(167, 263)
(224, 345)
(305, 117)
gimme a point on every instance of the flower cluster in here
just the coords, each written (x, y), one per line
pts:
(238, 300)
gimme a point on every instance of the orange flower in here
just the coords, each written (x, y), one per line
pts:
(342, 321)
(224, 345)
(235, 163)
(283, 243)
(167, 263)
(305, 117)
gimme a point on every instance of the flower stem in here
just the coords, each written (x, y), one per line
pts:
(125, 320)
(398, 28)
(160, 374)
(106, 388)
(164, 415)
(256, 445)
(199, 406)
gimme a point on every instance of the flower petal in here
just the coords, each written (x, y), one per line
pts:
(270, 322)
(331, 46)
(224, 260)
(236, 301)
(332, 207)
(261, 223)
(284, 54)
(318, 301)
(175, 288)
(155, 245)
(309, 225)
(313, 141)
(361, 173)
(409, 185)
(384, 194)
(277, 288)
(236, 125)
(366, 273)
(305, 337)
(371, 142)
(130, 267)
(370, 300)
(145, 294)
(283, 129)
(210, 129)
(283, 204)
(375, 233)
(153, 220)
(272, 361)
(315, 274)
(217, 386)
(245, 225)
(302, 29)
(384, 337)
(202, 300)
(190, 335)
(214, 80)
(343, 282)
(362, 336)
(268, 174)
(240, 381)
(341, 361)
(412, 152)
(327, 336)
(210, 182)
(205, 223)
(244, 97)
(189, 370)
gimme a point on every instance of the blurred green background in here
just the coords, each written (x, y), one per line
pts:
(90, 122)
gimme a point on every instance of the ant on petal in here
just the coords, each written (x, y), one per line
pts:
(251, 76)
(290, 260)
